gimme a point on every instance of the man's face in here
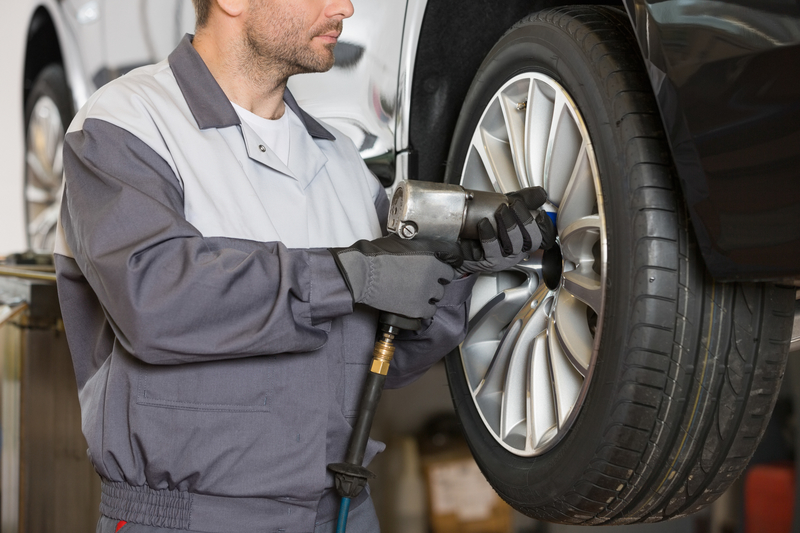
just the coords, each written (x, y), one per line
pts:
(295, 36)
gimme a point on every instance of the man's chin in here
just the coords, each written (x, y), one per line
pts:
(321, 63)
(327, 59)
(310, 68)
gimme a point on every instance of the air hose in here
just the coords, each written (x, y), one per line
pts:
(344, 509)
(351, 476)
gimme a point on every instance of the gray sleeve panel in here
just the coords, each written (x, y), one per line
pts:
(89, 333)
(171, 295)
(417, 351)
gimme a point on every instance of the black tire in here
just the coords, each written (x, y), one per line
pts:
(687, 369)
(41, 188)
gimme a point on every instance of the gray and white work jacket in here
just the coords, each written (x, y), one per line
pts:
(218, 354)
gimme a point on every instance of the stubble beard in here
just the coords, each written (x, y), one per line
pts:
(284, 49)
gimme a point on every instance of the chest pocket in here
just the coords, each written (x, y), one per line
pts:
(241, 385)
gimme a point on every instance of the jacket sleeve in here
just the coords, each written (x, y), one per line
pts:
(170, 294)
(417, 351)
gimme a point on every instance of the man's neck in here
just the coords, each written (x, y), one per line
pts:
(251, 86)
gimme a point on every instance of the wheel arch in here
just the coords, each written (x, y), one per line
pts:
(455, 37)
(51, 40)
(42, 47)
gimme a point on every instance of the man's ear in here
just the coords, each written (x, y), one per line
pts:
(232, 8)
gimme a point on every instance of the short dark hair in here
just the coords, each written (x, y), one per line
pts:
(201, 10)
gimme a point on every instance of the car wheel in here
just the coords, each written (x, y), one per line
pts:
(47, 113)
(610, 380)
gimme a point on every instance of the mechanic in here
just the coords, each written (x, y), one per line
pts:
(212, 259)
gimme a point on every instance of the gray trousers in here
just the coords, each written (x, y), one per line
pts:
(362, 519)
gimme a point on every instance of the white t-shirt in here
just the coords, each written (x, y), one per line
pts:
(276, 134)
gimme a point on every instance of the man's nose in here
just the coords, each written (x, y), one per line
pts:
(340, 8)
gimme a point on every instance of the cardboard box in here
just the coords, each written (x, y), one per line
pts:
(460, 499)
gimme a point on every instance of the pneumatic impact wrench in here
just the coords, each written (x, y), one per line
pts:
(418, 209)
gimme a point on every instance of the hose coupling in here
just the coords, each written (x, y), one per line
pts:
(382, 354)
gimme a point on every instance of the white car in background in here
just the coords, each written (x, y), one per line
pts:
(69, 49)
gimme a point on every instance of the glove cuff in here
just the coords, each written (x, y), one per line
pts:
(336, 253)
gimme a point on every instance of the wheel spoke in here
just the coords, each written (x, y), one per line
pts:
(40, 173)
(488, 286)
(480, 347)
(532, 266)
(42, 228)
(529, 321)
(494, 380)
(491, 141)
(513, 427)
(58, 162)
(563, 144)
(567, 381)
(512, 101)
(489, 393)
(579, 197)
(538, 116)
(501, 388)
(555, 120)
(578, 239)
(543, 419)
(584, 288)
(476, 174)
(498, 313)
(572, 331)
(486, 163)
(38, 195)
(45, 131)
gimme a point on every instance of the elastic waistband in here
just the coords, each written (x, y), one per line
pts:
(176, 509)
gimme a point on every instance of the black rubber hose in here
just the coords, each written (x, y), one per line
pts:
(369, 404)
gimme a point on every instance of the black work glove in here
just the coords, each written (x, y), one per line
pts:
(534, 198)
(521, 227)
(405, 277)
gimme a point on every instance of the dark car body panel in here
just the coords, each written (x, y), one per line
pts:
(726, 75)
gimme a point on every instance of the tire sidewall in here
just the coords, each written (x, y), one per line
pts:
(539, 47)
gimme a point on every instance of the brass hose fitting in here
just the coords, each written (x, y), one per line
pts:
(382, 354)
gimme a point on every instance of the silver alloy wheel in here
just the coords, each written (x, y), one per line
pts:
(531, 349)
(44, 168)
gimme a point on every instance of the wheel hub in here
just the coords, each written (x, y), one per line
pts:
(552, 267)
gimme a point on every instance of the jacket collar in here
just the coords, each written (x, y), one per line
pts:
(208, 103)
